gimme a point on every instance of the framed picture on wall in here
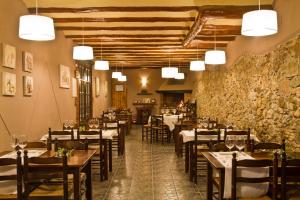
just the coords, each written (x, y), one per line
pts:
(27, 61)
(9, 84)
(65, 76)
(9, 55)
(27, 85)
(119, 88)
(97, 86)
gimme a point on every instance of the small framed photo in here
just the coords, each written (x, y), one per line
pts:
(119, 88)
(27, 85)
(9, 55)
(27, 61)
(65, 76)
(9, 84)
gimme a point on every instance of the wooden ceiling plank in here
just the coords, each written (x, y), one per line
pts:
(124, 28)
(128, 40)
(107, 36)
(125, 19)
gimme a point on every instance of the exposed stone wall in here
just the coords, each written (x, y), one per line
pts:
(260, 91)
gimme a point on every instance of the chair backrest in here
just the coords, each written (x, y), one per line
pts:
(157, 120)
(110, 124)
(187, 125)
(252, 163)
(54, 134)
(73, 144)
(8, 162)
(267, 146)
(36, 144)
(205, 137)
(245, 133)
(43, 169)
(92, 137)
(289, 175)
(220, 146)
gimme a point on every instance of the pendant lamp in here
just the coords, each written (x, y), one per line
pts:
(169, 72)
(179, 76)
(197, 65)
(215, 57)
(259, 22)
(116, 74)
(122, 78)
(101, 64)
(36, 27)
(82, 52)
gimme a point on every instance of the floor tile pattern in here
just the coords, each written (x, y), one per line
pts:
(147, 172)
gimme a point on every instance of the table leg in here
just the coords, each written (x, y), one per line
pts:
(192, 162)
(209, 182)
(88, 182)
(187, 157)
(110, 155)
(76, 184)
(221, 188)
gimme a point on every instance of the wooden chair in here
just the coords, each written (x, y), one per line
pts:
(271, 178)
(158, 128)
(94, 140)
(9, 162)
(216, 147)
(73, 145)
(117, 142)
(290, 178)
(270, 146)
(201, 143)
(146, 129)
(38, 145)
(46, 178)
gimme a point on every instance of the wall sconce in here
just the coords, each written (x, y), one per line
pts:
(144, 82)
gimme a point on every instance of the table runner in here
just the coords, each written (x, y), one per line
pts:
(245, 190)
(171, 120)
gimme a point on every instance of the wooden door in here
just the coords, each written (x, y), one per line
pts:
(119, 94)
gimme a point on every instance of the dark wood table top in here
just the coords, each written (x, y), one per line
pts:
(77, 159)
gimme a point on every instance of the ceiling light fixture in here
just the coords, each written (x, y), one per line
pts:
(101, 64)
(82, 52)
(259, 22)
(179, 75)
(116, 74)
(122, 78)
(36, 27)
(215, 57)
(197, 65)
(169, 72)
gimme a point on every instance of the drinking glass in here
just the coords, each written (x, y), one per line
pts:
(22, 141)
(14, 142)
(229, 142)
(240, 144)
(71, 124)
(66, 124)
(90, 124)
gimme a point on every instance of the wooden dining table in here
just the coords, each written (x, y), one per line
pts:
(214, 164)
(79, 161)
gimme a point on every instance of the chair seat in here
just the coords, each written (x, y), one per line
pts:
(257, 198)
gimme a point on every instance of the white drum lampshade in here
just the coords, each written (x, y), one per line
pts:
(36, 27)
(116, 75)
(197, 65)
(179, 76)
(101, 65)
(83, 53)
(169, 72)
(215, 57)
(259, 23)
(122, 78)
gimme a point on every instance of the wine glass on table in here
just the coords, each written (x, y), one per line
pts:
(22, 141)
(229, 142)
(14, 142)
(240, 143)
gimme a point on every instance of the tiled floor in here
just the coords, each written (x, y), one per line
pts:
(147, 172)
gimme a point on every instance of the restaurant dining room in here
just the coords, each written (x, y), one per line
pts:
(150, 100)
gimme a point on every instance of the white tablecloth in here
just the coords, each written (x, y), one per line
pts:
(10, 187)
(171, 120)
(189, 135)
(246, 190)
(106, 134)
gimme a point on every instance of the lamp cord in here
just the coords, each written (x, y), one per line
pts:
(36, 7)
(83, 31)
(101, 49)
(215, 38)
(258, 4)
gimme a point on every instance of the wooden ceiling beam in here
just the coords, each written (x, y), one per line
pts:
(146, 9)
(219, 32)
(166, 46)
(122, 28)
(221, 27)
(123, 19)
(107, 36)
(196, 28)
(128, 40)
(212, 38)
